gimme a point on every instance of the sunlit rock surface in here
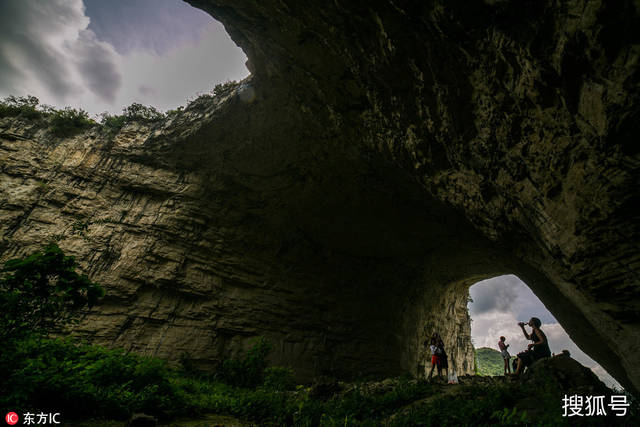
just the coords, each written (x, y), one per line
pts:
(379, 161)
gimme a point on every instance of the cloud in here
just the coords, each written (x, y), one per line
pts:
(50, 50)
(501, 314)
(155, 26)
(508, 293)
(97, 65)
(488, 327)
(497, 293)
(169, 79)
(45, 49)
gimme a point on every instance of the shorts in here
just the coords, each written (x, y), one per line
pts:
(435, 360)
(505, 355)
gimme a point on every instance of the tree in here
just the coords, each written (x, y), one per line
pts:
(41, 292)
(69, 121)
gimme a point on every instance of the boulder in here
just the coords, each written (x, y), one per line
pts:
(569, 375)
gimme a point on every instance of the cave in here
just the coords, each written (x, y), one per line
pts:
(340, 201)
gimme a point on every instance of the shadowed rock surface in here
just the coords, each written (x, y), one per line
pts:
(382, 158)
(569, 375)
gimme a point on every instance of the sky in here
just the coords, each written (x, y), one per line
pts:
(104, 55)
(501, 302)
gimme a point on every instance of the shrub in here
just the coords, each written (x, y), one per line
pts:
(112, 124)
(474, 405)
(279, 378)
(134, 112)
(142, 113)
(69, 121)
(247, 371)
(61, 376)
(23, 106)
(42, 291)
(174, 112)
(223, 89)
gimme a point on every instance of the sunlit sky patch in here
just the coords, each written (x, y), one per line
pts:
(103, 55)
(501, 302)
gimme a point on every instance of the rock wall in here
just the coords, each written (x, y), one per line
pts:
(381, 159)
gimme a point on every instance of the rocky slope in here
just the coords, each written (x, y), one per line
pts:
(380, 160)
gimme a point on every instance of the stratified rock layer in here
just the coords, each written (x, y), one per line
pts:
(381, 159)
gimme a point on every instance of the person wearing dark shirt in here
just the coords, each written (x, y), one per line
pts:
(536, 350)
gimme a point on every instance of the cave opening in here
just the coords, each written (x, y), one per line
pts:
(495, 307)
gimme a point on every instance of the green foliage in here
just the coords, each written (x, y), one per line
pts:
(22, 106)
(134, 112)
(178, 110)
(223, 89)
(60, 376)
(279, 378)
(219, 90)
(489, 362)
(69, 121)
(139, 112)
(42, 291)
(247, 371)
(509, 417)
(472, 406)
(112, 124)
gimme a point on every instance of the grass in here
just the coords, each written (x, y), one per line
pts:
(60, 375)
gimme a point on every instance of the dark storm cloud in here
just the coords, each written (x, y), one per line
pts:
(148, 25)
(8, 73)
(98, 69)
(508, 293)
(495, 294)
(45, 47)
(42, 61)
(24, 47)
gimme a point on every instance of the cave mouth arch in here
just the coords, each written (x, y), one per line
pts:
(553, 236)
(497, 303)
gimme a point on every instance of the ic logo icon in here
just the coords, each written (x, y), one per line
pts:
(12, 418)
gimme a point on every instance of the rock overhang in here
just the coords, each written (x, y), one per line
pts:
(390, 157)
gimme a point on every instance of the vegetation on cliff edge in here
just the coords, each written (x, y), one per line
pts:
(69, 121)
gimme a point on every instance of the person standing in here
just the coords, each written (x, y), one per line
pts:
(505, 355)
(435, 357)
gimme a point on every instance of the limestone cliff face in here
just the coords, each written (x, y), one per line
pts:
(381, 159)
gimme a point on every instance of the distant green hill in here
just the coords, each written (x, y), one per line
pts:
(489, 361)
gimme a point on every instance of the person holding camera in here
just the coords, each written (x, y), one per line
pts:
(538, 349)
